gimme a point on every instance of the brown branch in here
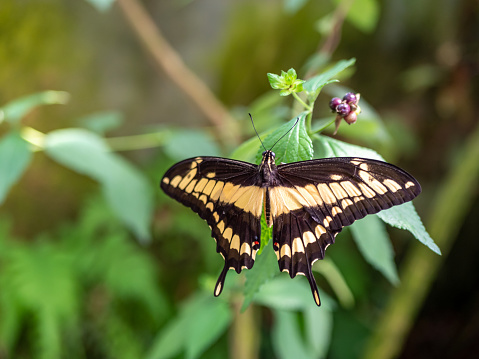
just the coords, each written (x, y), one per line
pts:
(174, 67)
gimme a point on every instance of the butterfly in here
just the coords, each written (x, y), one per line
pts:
(308, 203)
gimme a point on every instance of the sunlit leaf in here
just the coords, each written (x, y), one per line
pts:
(294, 146)
(406, 217)
(15, 110)
(375, 246)
(15, 155)
(265, 268)
(127, 191)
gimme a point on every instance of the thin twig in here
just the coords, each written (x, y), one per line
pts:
(174, 67)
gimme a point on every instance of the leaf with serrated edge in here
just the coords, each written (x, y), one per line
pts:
(403, 216)
(294, 146)
(373, 242)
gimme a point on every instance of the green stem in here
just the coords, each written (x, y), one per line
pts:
(306, 106)
(421, 265)
(123, 143)
(323, 127)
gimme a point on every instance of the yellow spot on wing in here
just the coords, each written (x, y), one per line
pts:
(326, 194)
(298, 246)
(319, 230)
(209, 187)
(228, 234)
(235, 243)
(174, 182)
(210, 206)
(366, 190)
(308, 237)
(392, 185)
(190, 186)
(350, 188)
(409, 184)
(285, 250)
(184, 182)
(245, 249)
(215, 194)
(200, 186)
(221, 226)
(338, 191)
(372, 182)
(210, 174)
(166, 180)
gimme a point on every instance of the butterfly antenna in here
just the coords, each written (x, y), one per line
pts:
(256, 131)
(285, 134)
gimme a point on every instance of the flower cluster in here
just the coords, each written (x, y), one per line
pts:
(346, 108)
(288, 82)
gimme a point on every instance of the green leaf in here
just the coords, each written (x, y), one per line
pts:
(403, 216)
(406, 217)
(314, 85)
(284, 293)
(102, 5)
(363, 14)
(102, 122)
(286, 337)
(265, 268)
(248, 150)
(188, 143)
(206, 325)
(318, 328)
(287, 82)
(329, 147)
(15, 110)
(294, 146)
(15, 155)
(201, 321)
(125, 188)
(374, 244)
(171, 339)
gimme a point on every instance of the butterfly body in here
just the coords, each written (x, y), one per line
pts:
(308, 203)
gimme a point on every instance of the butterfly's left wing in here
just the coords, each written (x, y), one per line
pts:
(227, 194)
(316, 199)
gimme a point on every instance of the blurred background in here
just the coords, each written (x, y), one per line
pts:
(79, 278)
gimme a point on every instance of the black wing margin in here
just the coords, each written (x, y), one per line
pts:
(226, 194)
(316, 199)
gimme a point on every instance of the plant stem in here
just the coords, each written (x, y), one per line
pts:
(421, 265)
(306, 106)
(174, 67)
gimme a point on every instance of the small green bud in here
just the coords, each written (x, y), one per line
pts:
(288, 82)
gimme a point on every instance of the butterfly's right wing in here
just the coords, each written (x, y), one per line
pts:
(226, 193)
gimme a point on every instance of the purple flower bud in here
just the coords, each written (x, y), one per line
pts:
(335, 102)
(350, 98)
(343, 109)
(351, 118)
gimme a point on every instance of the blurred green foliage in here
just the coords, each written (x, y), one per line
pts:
(95, 262)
